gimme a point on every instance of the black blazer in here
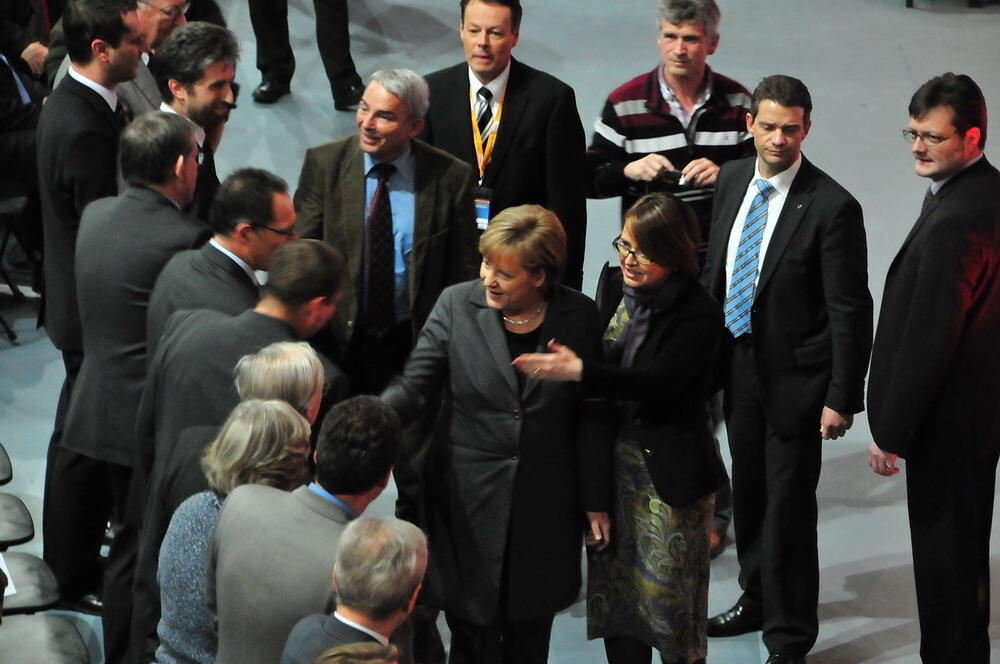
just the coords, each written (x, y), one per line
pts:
(662, 399)
(200, 279)
(933, 388)
(315, 634)
(539, 153)
(77, 163)
(123, 244)
(812, 312)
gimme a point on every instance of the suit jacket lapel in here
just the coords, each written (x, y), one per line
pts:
(553, 327)
(494, 339)
(792, 213)
(729, 206)
(514, 102)
(425, 193)
(350, 181)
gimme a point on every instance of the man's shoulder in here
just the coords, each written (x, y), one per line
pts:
(536, 79)
(334, 150)
(437, 162)
(448, 77)
(251, 497)
(734, 91)
(70, 107)
(825, 185)
(634, 89)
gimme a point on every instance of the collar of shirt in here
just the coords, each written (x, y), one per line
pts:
(405, 169)
(199, 131)
(236, 259)
(361, 628)
(497, 87)
(323, 493)
(782, 182)
(110, 96)
(936, 185)
(676, 107)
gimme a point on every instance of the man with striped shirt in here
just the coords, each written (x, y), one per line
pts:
(681, 120)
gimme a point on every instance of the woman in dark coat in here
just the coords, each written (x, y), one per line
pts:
(515, 473)
(649, 588)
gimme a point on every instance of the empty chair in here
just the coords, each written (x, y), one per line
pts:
(6, 472)
(15, 521)
(36, 585)
(39, 639)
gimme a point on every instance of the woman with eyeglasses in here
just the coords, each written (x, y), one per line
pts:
(649, 588)
(516, 476)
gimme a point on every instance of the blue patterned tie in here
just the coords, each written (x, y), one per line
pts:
(739, 298)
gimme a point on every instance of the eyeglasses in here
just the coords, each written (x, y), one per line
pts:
(173, 13)
(288, 232)
(910, 136)
(624, 249)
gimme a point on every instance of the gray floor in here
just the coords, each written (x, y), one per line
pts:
(862, 60)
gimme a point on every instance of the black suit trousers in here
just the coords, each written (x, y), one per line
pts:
(503, 642)
(275, 59)
(950, 503)
(774, 512)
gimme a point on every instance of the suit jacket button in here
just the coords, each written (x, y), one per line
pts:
(350, 324)
(517, 413)
(648, 451)
(514, 457)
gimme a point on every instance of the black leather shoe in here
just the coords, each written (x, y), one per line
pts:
(348, 100)
(740, 619)
(90, 604)
(271, 91)
(786, 659)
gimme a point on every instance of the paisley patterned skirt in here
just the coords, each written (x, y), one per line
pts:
(651, 583)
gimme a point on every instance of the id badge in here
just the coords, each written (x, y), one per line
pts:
(482, 197)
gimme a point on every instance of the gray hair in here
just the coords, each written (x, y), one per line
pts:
(704, 12)
(286, 370)
(380, 562)
(262, 442)
(409, 86)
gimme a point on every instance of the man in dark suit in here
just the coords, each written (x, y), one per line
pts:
(276, 61)
(527, 143)
(377, 575)
(401, 212)
(787, 257)
(196, 71)
(287, 542)
(158, 18)
(123, 244)
(190, 381)
(252, 216)
(77, 163)
(933, 388)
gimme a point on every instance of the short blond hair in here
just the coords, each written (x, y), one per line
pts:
(533, 234)
(261, 442)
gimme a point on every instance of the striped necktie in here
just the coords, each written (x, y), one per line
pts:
(484, 113)
(739, 298)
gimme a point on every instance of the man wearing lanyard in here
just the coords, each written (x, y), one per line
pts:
(272, 551)
(517, 126)
(196, 72)
(401, 212)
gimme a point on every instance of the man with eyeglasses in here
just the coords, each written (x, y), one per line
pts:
(195, 70)
(123, 243)
(787, 258)
(252, 216)
(933, 390)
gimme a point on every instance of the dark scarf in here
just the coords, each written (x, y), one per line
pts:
(640, 305)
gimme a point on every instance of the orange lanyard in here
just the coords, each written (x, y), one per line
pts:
(484, 152)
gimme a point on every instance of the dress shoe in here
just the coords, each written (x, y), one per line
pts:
(349, 98)
(786, 659)
(90, 604)
(741, 619)
(717, 542)
(270, 91)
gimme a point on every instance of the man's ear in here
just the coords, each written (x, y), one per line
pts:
(177, 90)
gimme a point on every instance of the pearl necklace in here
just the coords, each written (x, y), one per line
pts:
(525, 321)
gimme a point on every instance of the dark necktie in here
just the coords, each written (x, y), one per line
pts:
(381, 268)
(122, 114)
(739, 298)
(208, 182)
(484, 114)
(928, 197)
